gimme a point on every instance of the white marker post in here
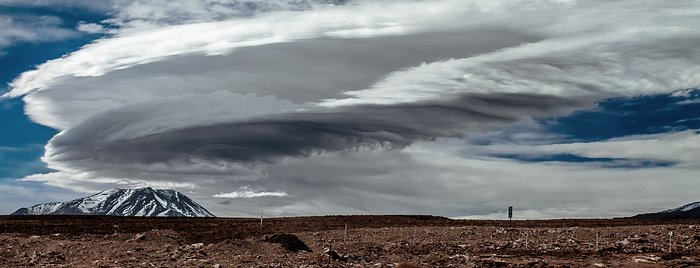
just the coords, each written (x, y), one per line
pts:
(261, 222)
(670, 241)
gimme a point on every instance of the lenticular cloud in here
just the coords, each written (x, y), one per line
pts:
(205, 100)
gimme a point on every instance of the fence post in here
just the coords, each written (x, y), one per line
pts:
(597, 236)
(414, 235)
(526, 234)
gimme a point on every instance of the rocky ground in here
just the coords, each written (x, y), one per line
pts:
(369, 242)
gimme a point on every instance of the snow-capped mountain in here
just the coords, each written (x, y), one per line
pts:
(689, 211)
(687, 207)
(146, 202)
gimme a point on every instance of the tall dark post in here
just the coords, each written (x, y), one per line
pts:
(510, 217)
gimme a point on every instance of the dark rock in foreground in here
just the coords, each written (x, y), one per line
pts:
(289, 242)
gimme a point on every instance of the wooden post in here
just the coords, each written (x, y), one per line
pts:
(597, 235)
(345, 234)
(414, 235)
(526, 240)
(670, 241)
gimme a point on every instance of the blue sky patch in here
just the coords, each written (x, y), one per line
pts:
(612, 118)
(601, 161)
(21, 56)
(618, 117)
(70, 15)
(22, 141)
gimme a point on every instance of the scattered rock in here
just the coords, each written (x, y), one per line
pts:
(646, 259)
(671, 256)
(139, 237)
(335, 256)
(289, 242)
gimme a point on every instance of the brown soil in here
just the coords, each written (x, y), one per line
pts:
(371, 241)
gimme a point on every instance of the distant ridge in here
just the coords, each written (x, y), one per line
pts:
(689, 211)
(144, 202)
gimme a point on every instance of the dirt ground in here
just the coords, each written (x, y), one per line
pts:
(370, 241)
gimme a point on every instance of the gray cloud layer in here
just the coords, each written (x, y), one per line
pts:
(303, 71)
(300, 134)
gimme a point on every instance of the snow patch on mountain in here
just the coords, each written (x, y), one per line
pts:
(144, 202)
(687, 207)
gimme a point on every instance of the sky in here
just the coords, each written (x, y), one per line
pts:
(458, 108)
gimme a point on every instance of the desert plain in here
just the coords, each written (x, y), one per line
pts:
(345, 241)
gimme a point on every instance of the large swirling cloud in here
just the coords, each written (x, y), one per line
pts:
(220, 97)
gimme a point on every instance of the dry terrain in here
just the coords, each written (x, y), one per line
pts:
(370, 241)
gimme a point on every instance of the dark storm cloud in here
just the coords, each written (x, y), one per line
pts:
(301, 134)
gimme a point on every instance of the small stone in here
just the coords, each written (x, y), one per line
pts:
(140, 236)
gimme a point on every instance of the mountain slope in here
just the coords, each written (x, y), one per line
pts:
(689, 211)
(124, 202)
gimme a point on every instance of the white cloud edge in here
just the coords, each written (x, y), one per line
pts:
(248, 192)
